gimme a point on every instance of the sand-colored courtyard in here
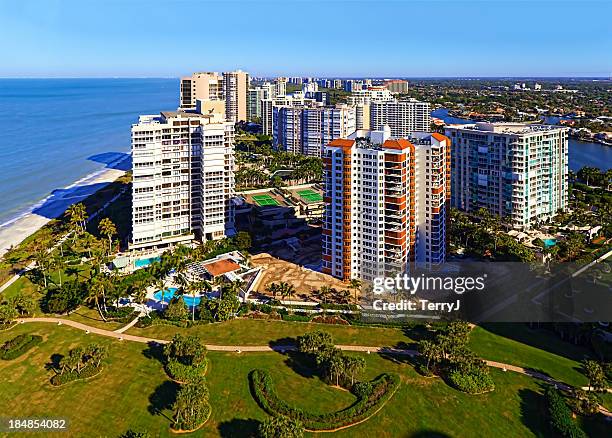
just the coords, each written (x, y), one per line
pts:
(305, 281)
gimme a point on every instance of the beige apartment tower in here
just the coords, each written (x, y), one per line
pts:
(202, 86)
(236, 89)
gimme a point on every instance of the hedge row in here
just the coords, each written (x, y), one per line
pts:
(19, 345)
(560, 415)
(371, 397)
(69, 376)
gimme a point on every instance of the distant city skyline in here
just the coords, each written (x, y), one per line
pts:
(68, 38)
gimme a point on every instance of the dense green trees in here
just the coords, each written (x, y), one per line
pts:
(191, 408)
(280, 426)
(447, 354)
(560, 416)
(79, 363)
(335, 366)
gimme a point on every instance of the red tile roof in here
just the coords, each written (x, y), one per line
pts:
(221, 267)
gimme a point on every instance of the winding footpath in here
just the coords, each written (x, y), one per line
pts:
(118, 334)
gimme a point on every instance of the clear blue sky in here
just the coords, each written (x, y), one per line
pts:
(67, 38)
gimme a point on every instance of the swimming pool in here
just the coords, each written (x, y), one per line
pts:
(141, 263)
(550, 242)
(192, 301)
(168, 294)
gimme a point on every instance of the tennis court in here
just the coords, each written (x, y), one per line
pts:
(264, 200)
(309, 195)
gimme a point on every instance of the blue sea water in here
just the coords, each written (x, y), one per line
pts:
(54, 132)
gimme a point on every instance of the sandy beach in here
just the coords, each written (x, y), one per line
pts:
(53, 206)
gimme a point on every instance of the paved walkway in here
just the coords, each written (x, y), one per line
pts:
(282, 348)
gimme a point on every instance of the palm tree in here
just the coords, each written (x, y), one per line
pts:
(96, 292)
(355, 285)
(160, 283)
(77, 214)
(107, 228)
(58, 264)
(324, 292)
(272, 288)
(41, 257)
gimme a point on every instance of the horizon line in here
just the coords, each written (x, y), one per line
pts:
(604, 78)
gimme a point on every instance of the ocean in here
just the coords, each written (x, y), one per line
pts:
(55, 132)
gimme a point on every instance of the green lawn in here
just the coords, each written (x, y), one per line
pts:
(133, 392)
(260, 332)
(554, 357)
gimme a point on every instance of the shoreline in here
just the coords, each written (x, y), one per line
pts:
(16, 230)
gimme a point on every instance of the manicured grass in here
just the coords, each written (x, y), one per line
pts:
(260, 332)
(91, 317)
(498, 348)
(134, 392)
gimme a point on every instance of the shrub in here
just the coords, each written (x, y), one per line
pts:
(585, 403)
(176, 310)
(330, 319)
(382, 388)
(19, 345)
(314, 341)
(560, 415)
(135, 434)
(69, 376)
(475, 381)
(191, 408)
(185, 373)
(281, 427)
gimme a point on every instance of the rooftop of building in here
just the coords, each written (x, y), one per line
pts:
(506, 127)
(221, 267)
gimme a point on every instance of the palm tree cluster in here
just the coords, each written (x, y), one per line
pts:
(79, 358)
(595, 176)
(257, 173)
(481, 237)
(335, 366)
(282, 289)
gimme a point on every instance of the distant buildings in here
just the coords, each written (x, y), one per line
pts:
(235, 88)
(230, 87)
(397, 86)
(402, 116)
(362, 99)
(268, 105)
(306, 129)
(204, 86)
(515, 171)
(183, 177)
(386, 203)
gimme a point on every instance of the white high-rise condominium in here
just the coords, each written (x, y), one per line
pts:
(267, 108)
(235, 90)
(203, 86)
(183, 178)
(517, 172)
(402, 116)
(307, 129)
(362, 99)
(280, 87)
(386, 203)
